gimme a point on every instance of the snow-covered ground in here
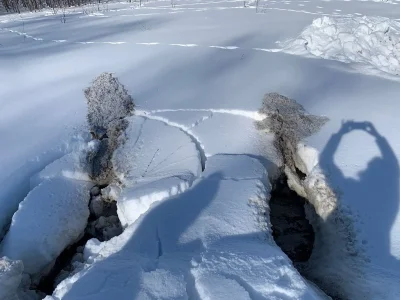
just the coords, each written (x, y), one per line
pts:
(195, 207)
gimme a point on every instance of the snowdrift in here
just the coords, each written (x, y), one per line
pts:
(371, 42)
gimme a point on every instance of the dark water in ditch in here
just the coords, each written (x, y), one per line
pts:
(291, 230)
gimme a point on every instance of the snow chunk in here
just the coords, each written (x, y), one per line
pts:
(10, 277)
(50, 218)
(135, 201)
(155, 150)
(69, 166)
(373, 42)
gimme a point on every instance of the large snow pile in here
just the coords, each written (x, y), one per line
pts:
(373, 42)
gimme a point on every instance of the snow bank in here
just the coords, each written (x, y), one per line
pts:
(155, 150)
(373, 42)
(51, 217)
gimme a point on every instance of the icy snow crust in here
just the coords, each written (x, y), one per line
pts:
(371, 42)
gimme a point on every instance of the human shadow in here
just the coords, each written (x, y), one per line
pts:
(374, 195)
(159, 233)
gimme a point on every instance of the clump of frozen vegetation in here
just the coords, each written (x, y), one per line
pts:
(290, 123)
(108, 105)
(373, 42)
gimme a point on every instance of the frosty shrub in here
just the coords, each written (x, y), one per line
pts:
(108, 105)
(290, 123)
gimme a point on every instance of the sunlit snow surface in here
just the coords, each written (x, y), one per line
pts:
(197, 73)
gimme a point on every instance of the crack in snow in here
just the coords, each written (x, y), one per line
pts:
(255, 115)
(187, 131)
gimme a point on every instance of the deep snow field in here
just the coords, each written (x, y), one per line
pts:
(195, 173)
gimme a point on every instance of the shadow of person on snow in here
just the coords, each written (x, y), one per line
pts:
(374, 196)
(376, 191)
(122, 274)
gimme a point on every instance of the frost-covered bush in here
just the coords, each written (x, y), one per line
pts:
(108, 101)
(290, 123)
(108, 105)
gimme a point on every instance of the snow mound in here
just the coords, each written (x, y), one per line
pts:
(51, 217)
(155, 150)
(373, 42)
